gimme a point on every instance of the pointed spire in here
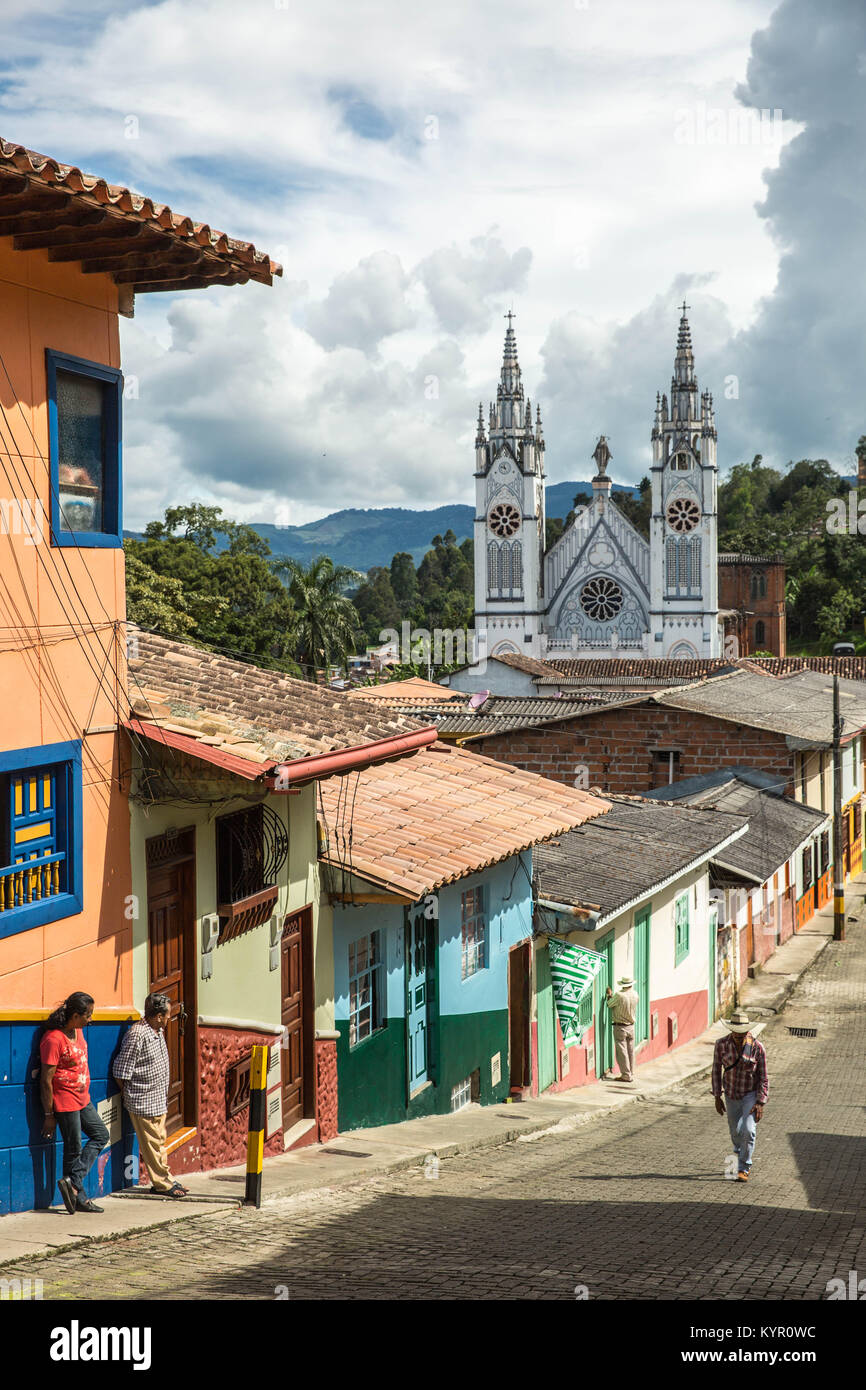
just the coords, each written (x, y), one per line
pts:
(480, 436)
(684, 336)
(527, 423)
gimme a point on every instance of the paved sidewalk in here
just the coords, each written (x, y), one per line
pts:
(353, 1157)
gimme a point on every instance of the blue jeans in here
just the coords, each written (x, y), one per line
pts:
(77, 1163)
(741, 1123)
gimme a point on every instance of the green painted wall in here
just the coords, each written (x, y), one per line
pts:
(242, 985)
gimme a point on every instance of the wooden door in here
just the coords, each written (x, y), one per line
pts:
(519, 961)
(296, 1015)
(170, 928)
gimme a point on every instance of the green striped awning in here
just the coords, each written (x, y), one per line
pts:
(572, 969)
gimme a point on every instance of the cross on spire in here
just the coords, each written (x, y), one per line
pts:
(510, 315)
(685, 306)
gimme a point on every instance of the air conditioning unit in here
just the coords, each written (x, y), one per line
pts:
(672, 1029)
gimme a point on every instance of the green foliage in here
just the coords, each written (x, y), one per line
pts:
(763, 511)
(325, 622)
(439, 594)
(181, 585)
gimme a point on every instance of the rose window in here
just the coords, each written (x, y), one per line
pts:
(683, 514)
(504, 519)
(601, 599)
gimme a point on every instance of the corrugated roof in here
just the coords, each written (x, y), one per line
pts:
(638, 845)
(778, 825)
(798, 705)
(143, 245)
(262, 716)
(441, 814)
(506, 713)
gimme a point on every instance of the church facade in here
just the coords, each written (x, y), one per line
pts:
(601, 589)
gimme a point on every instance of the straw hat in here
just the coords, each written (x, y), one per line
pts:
(739, 1021)
(626, 982)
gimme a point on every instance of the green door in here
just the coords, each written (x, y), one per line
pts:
(546, 1016)
(603, 1026)
(642, 973)
(714, 958)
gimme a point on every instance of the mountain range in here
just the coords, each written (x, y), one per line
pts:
(363, 537)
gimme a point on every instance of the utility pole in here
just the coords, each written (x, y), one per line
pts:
(838, 851)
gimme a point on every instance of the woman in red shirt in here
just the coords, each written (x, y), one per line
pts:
(65, 1090)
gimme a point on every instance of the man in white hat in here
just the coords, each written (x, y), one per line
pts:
(740, 1071)
(623, 1009)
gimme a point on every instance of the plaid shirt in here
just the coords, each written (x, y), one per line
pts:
(740, 1076)
(142, 1065)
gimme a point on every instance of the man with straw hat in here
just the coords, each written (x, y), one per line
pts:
(623, 1008)
(740, 1071)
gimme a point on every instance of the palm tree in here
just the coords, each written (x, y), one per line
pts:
(326, 624)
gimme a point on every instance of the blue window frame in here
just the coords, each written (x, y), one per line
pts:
(473, 932)
(366, 988)
(84, 438)
(40, 836)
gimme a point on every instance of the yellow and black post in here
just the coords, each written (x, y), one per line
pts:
(256, 1135)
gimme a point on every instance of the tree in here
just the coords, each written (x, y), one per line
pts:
(326, 623)
(404, 581)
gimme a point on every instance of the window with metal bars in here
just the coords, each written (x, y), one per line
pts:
(252, 847)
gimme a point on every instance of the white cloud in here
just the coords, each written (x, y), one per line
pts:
(415, 170)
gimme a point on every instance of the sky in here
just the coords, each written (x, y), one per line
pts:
(420, 169)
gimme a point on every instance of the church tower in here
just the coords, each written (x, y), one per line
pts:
(509, 518)
(684, 618)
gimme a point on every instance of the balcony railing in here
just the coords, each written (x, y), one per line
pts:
(29, 882)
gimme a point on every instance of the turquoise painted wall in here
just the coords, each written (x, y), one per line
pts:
(468, 1019)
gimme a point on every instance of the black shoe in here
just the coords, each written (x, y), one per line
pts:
(69, 1194)
(85, 1205)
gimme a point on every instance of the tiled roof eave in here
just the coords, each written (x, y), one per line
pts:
(141, 244)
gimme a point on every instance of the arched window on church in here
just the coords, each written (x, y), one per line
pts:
(759, 585)
(693, 576)
(682, 461)
(505, 570)
(671, 563)
(516, 567)
(493, 568)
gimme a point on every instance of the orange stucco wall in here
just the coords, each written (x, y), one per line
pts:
(58, 676)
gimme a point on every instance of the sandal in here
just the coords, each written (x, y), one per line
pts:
(177, 1191)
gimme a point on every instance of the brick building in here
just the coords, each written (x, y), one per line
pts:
(752, 590)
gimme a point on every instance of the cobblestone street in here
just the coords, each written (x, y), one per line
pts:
(635, 1205)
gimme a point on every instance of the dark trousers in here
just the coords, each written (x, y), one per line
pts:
(77, 1162)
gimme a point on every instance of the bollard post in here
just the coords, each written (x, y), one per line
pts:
(256, 1135)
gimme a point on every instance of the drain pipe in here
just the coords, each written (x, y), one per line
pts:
(590, 914)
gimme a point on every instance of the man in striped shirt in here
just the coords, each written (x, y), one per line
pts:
(740, 1072)
(141, 1070)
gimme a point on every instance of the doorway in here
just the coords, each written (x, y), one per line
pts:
(604, 1054)
(519, 964)
(296, 1016)
(642, 973)
(172, 964)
